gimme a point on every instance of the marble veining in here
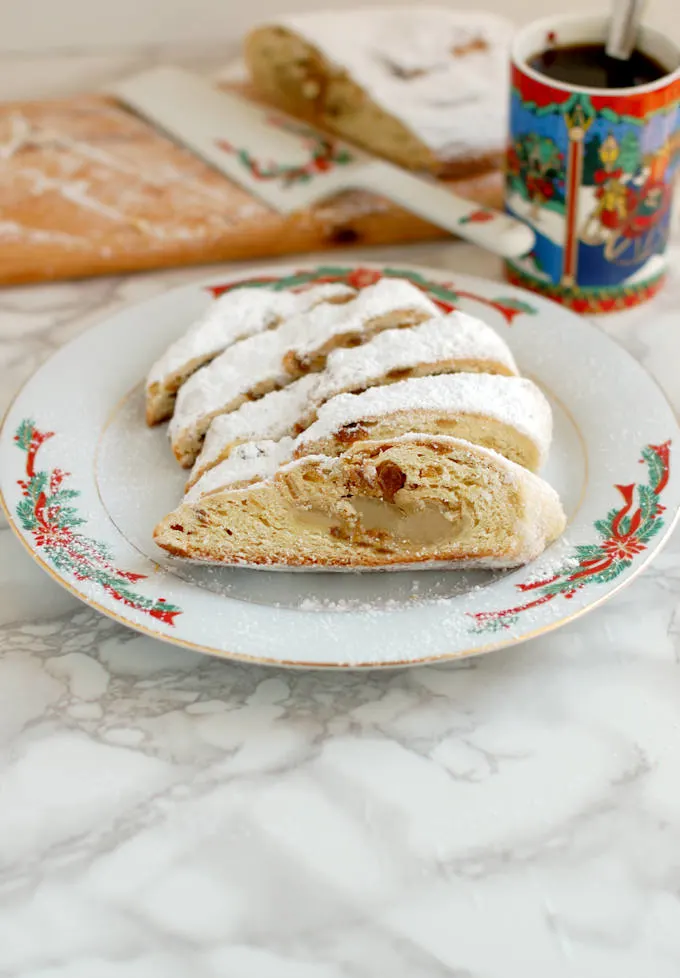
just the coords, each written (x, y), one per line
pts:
(164, 814)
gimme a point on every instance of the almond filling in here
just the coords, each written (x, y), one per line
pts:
(421, 527)
(381, 521)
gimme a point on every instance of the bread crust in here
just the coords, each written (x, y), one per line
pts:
(398, 502)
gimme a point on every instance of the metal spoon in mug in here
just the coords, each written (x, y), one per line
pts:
(623, 28)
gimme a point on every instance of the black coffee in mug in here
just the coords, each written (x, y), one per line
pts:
(589, 66)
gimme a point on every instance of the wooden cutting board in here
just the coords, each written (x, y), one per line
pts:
(87, 188)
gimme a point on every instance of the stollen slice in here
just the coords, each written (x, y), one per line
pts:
(394, 503)
(300, 345)
(509, 414)
(422, 86)
(234, 316)
(454, 343)
(444, 344)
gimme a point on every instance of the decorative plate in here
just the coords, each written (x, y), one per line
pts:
(84, 481)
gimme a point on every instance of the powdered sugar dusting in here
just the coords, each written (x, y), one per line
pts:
(304, 334)
(247, 463)
(515, 401)
(440, 340)
(235, 316)
(419, 590)
(442, 73)
(259, 360)
(90, 169)
(270, 417)
(456, 336)
(229, 377)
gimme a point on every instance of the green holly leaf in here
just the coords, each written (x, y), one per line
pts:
(60, 558)
(650, 529)
(604, 527)
(26, 514)
(440, 292)
(291, 281)
(37, 484)
(655, 466)
(518, 304)
(24, 434)
(102, 549)
(588, 551)
(329, 271)
(494, 624)
(611, 572)
(559, 587)
(61, 496)
(414, 277)
(648, 503)
(68, 516)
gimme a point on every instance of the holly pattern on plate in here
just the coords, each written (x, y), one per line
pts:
(624, 534)
(324, 155)
(444, 295)
(45, 511)
(480, 216)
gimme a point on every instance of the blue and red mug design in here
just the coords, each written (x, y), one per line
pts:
(592, 172)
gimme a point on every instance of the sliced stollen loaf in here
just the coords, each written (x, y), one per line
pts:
(417, 499)
(444, 344)
(232, 317)
(423, 86)
(300, 345)
(508, 414)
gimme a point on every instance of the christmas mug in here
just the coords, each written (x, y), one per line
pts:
(591, 171)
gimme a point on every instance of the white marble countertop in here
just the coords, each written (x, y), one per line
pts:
(163, 814)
